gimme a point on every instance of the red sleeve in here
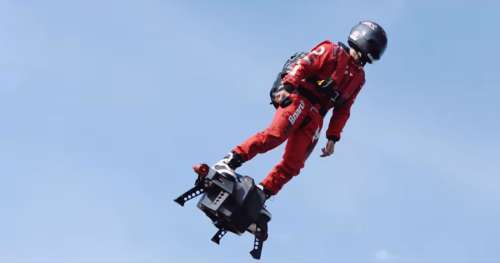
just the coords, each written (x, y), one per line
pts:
(311, 63)
(339, 118)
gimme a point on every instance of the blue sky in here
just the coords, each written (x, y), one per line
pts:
(106, 105)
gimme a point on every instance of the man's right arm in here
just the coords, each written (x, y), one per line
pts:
(309, 64)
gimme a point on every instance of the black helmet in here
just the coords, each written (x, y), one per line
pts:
(368, 38)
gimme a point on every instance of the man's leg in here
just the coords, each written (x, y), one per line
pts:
(299, 146)
(285, 121)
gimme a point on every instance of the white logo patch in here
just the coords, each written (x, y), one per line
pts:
(371, 25)
(356, 35)
(319, 51)
(293, 118)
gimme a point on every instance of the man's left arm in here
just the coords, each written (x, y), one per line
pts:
(337, 122)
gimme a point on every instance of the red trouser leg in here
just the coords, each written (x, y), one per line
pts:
(286, 120)
(300, 144)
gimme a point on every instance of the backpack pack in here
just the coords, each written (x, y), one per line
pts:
(287, 67)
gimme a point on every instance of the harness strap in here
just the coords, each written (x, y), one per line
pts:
(312, 98)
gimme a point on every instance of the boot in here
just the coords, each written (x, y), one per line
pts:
(230, 162)
(267, 193)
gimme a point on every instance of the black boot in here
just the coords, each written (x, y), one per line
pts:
(230, 162)
(266, 192)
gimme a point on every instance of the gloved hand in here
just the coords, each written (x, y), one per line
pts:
(328, 149)
(280, 96)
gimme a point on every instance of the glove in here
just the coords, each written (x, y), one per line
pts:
(280, 97)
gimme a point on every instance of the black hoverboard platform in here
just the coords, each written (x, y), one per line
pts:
(232, 201)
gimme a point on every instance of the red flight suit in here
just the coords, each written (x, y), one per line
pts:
(302, 120)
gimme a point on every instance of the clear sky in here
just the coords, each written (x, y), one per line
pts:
(106, 105)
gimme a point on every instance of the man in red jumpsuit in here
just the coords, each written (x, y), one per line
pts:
(329, 76)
